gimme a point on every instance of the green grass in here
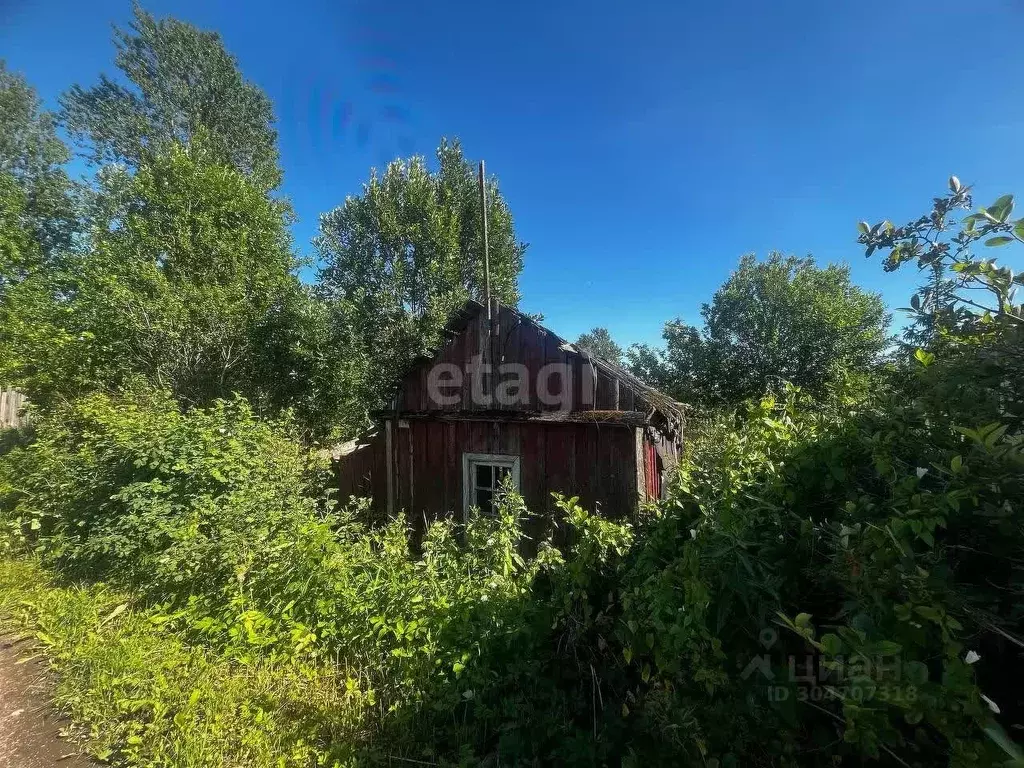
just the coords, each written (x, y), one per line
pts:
(146, 698)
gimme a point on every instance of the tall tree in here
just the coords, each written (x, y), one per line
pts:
(408, 251)
(18, 249)
(600, 342)
(782, 319)
(31, 348)
(316, 364)
(181, 84)
(32, 155)
(195, 269)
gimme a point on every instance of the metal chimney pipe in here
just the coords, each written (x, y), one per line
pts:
(487, 254)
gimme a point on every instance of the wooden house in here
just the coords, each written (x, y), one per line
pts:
(506, 396)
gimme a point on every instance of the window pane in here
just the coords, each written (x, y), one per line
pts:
(500, 473)
(483, 476)
(483, 500)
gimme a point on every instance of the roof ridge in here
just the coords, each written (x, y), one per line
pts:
(666, 404)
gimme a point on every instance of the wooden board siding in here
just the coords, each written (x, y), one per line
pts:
(593, 461)
(652, 471)
(363, 472)
(11, 403)
(515, 340)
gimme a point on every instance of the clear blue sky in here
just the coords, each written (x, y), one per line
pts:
(642, 146)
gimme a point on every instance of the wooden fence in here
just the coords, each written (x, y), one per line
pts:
(11, 402)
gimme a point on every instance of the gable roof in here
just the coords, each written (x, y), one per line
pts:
(653, 407)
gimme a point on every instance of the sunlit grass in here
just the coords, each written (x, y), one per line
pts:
(146, 698)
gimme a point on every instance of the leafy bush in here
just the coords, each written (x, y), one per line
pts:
(885, 537)
(796, 534)
(859, 521)
(174, 501)
(211, 518)
(830, 580)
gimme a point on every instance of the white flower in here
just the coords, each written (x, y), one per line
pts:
(693, 533)
(991, 704)
(972, 656)
(921, 472)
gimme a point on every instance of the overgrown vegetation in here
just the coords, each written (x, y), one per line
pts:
(834, 578)
(145, 697)
(207, 523)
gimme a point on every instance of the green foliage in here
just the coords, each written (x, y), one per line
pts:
(312, 361)
(20, 260)
(783, 319)
(170, 540)
(202, 520)
(182, 84)
(856, 520)
(882, 539)
(150, 699)
(968, 322)
(846, 536)
(402, 256)
(192, 268)
(964, 350)
(32, 154)
(600, 342)
(163, 499)
(185, 278)
(18, 250)
(947, 304)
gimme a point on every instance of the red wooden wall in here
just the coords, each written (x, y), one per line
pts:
(652, 474)
(363, 472)
(516, 340)
(596, 462)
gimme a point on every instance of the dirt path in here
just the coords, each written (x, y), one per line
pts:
(29, 729)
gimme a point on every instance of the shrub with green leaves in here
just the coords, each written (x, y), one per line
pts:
(832, 579)
(212, 519)
(821, 542)
(875, 546)
(175, 503)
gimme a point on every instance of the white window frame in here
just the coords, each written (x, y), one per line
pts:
(469, 463)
